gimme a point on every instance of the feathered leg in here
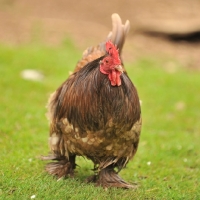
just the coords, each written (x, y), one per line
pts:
(61, 167)
(108, 177)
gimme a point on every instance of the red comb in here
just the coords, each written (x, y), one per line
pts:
(113, 52)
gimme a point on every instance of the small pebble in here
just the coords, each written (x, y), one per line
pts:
(33, 196)
(31, 74)
(149, 163)
(185, 160)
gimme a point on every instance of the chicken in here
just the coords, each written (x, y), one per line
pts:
(96, 113)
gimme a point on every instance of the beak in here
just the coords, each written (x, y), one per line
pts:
(119, 68)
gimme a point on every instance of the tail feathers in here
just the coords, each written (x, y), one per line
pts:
(117, 36)
(119, 31)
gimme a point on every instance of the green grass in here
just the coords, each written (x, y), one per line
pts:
(167, 164)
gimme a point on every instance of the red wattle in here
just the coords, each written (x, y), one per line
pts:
(114, 78)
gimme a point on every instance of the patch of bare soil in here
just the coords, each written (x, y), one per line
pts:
(158, 27)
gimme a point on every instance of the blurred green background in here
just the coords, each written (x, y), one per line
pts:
(40, 43)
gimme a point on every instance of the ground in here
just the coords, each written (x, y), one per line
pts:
(88, 22)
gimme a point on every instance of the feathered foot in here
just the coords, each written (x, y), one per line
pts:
(109, 178)
(62, 167)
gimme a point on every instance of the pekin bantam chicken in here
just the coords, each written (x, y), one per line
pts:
(96, 113)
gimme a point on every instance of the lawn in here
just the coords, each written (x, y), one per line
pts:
(167, 164)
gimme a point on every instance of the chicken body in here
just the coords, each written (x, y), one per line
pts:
(93, 116)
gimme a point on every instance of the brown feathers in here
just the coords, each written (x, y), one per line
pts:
(92, 117)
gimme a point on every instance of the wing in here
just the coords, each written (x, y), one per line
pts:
(116, 36)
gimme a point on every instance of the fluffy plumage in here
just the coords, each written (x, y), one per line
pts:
(96, 113)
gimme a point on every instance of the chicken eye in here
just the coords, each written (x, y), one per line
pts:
(106, 61)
